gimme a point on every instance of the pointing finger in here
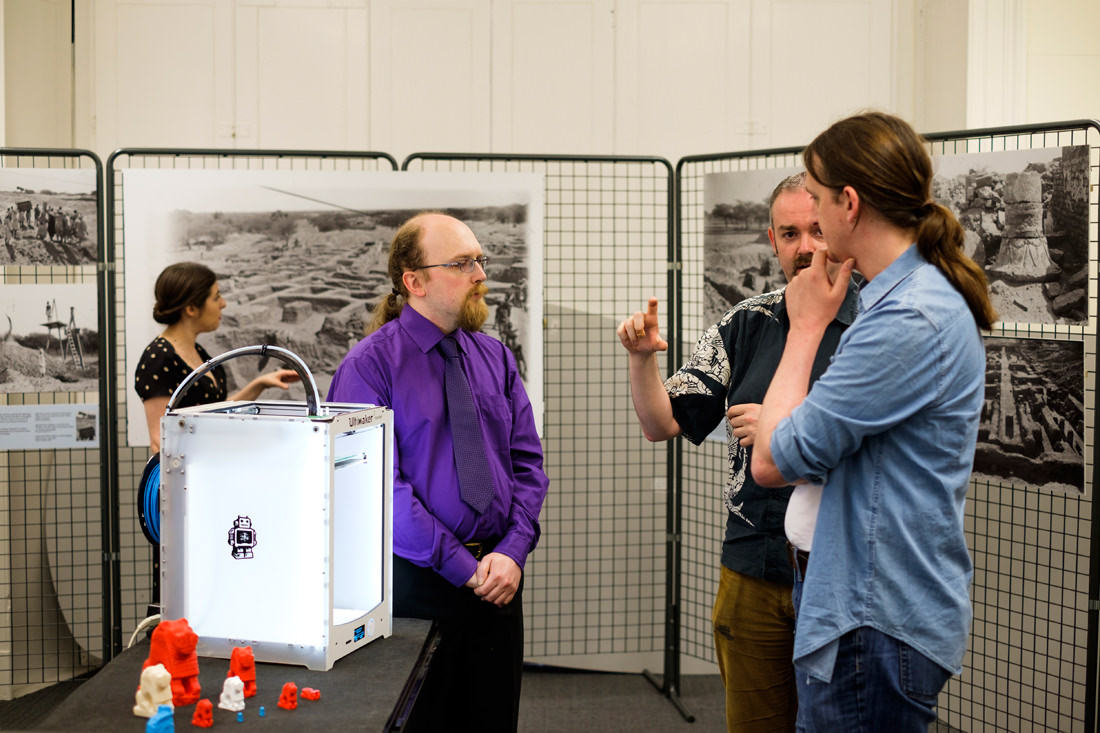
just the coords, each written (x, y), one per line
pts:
(651, 312)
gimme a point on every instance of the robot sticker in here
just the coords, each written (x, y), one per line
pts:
(242, 538)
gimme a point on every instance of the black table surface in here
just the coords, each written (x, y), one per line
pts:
(360, 692)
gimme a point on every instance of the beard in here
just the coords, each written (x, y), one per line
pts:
(474, 311)
(802, 261)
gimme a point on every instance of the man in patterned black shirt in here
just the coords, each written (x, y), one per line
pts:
(726, 377)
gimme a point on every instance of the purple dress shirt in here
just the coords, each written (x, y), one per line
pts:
(400, 367)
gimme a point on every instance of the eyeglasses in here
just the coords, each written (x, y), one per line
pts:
(465, 264)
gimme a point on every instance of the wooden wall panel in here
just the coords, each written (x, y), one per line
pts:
(155, 72)
(553, 76)
(302, 76)
(683, 75)
(430, 75)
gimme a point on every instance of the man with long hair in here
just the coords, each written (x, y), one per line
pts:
(468, 478)
(726, 377)
(882, 599)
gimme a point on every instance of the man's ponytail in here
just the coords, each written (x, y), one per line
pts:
(888, 165)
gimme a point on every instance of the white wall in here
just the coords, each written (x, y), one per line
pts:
(3, 74)
(651, 77)
(1063, 60)
(37, 72)
(941, 65)
(634, 77)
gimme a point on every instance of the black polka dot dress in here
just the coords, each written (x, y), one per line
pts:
(161, 370)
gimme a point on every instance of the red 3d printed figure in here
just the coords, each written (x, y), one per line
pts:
(288, 700)
(204, 714)
(242, 663)
(173, 645)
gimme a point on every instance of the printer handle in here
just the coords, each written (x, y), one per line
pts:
(313, 399)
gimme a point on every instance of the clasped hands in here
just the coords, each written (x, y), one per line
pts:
(496, 579)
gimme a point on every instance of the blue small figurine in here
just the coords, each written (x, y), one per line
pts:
(162, 721)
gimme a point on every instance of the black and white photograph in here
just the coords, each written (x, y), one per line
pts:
(49, 338)
(1025, 214)
(1026, 218)
(1032, 430)
(86, 424)
(48, 216)
(738, 261)
(301, 259)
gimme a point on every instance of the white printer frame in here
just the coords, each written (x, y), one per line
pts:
(276, 527)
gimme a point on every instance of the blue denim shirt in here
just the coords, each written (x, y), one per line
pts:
(890, 430)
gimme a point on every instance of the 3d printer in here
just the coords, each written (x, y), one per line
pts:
(275, 522)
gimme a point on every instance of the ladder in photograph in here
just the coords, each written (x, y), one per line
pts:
(71, 333)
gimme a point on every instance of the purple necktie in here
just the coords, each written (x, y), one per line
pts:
(474, 482)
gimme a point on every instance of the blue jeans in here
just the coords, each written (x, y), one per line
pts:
(879, 683)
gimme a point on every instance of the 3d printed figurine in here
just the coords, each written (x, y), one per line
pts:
(311, 694)
(232, 694)
(173, 645)
(162, 721)
(243, 664)
(204, 714)
(288, 700)
(155, 689)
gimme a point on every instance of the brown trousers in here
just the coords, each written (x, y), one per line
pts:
(754, 640)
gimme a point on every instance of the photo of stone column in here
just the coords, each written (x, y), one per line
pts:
(1024, 257)
(1026, 217)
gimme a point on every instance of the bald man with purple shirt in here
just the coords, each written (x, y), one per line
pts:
(453, 563)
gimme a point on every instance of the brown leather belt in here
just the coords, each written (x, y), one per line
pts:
(480, 549)
(799, 559)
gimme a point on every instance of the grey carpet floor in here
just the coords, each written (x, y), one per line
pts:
(25, 713)
(556, 700)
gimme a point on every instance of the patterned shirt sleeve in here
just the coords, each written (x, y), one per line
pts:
(698, 389)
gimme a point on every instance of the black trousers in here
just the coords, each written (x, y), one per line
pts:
(474, 678)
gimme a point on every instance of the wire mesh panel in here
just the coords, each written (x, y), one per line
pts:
(52, 452)
(1030, 515)
(133, 573)
(595, 588)
(1028, 199)
(705, 468)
